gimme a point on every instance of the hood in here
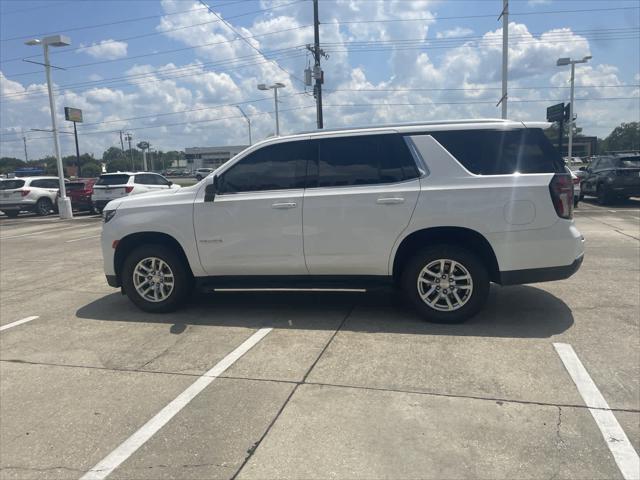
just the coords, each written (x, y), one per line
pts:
(145, 198)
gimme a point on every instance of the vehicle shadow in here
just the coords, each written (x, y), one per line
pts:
(515, 312)
(633, 202)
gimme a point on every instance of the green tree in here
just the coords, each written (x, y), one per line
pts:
(624, 137)
(91, 169)
(9, 164)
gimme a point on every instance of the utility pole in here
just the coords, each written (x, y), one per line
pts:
(121, 142)
(75, 133)
(505, 55)
(129, 137)
(26, 155)
(317, 71)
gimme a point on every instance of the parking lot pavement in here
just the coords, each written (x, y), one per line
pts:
(340, 385)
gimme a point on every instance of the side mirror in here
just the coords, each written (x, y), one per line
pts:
(210, 190)
(169, 182)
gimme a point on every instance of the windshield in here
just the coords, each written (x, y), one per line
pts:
(113, 180)
(76, 186)
(11, 184)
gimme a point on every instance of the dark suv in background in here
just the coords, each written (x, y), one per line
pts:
(612, 178)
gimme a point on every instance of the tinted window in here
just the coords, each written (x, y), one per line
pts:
(630, 162)
(605, 163)
(502, 152)
(145, 179)
(113, 180)
(75, 186)
(11, 184)
(364, 160)
(45, 183)
(161, 180)
(274, 167)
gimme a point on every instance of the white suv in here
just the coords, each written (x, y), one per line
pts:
(438, 209)
(32, 194)
(121, 184)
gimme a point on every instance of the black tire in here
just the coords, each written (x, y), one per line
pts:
(183, 281)
(469, 261)
(43, 207)
(604, 197)
(12, 213)
(199, 177)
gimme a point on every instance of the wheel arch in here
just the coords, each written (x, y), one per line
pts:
(132, 241)
(459, 236)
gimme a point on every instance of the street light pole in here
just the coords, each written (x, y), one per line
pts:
(64, 203)
(275, 88)
(562, 62)
(248, 122)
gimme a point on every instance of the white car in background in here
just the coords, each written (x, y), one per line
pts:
(122, 184)
(200, 173)
(32, 194)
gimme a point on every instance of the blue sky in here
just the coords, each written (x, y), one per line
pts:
(171, 73)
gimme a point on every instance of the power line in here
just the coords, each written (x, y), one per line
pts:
(251, 44)
(116, 22)
(144, 35)
(231, 63)
(362, 105)
(433, 18)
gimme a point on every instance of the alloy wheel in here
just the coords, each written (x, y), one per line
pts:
(445, 285)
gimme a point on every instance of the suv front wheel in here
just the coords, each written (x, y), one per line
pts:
(156, 279)
(446, 284)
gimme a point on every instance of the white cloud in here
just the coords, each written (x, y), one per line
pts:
(534, 3)
(176, 105)
(106, 49)
(454, 33)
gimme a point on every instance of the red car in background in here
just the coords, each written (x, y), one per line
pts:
(79, 191)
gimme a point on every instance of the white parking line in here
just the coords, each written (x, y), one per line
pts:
(623, 453)
(17, 322)
(38, 232)
(127, 448)
(83, 238)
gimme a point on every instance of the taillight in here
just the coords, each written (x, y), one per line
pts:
(128, 189)
(561, 189)
(24, 193)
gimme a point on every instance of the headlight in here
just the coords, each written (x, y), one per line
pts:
(108, 215)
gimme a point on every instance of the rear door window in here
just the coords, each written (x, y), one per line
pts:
(108, 180)
(364, 160)
(71, 186)
(630, 162)
(45, 183)
(502, 152)
(11, 184)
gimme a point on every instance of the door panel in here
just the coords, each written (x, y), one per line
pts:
(352, 230)
(258, 233)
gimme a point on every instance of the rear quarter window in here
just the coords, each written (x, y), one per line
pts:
(11, 184)
(502, 152)
(113, 180)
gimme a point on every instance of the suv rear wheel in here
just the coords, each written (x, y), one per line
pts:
(44, 206)
(156, 279)
(446, 284)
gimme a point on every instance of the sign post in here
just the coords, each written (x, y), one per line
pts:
(74, 115)
(559, 113)
(144, 146)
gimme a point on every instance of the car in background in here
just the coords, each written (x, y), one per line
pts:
(79, 192)
(122, 184)
(575, 179)
(31, 194)
(610, 178)
(200, 173)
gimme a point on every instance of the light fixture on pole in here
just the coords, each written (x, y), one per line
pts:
(275, 88)
(248, 122)
(64, 203)
(561, 63)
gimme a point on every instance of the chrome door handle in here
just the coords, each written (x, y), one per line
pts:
(390, 201)
(284, 205)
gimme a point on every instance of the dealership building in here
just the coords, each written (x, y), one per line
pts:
(211, 157)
